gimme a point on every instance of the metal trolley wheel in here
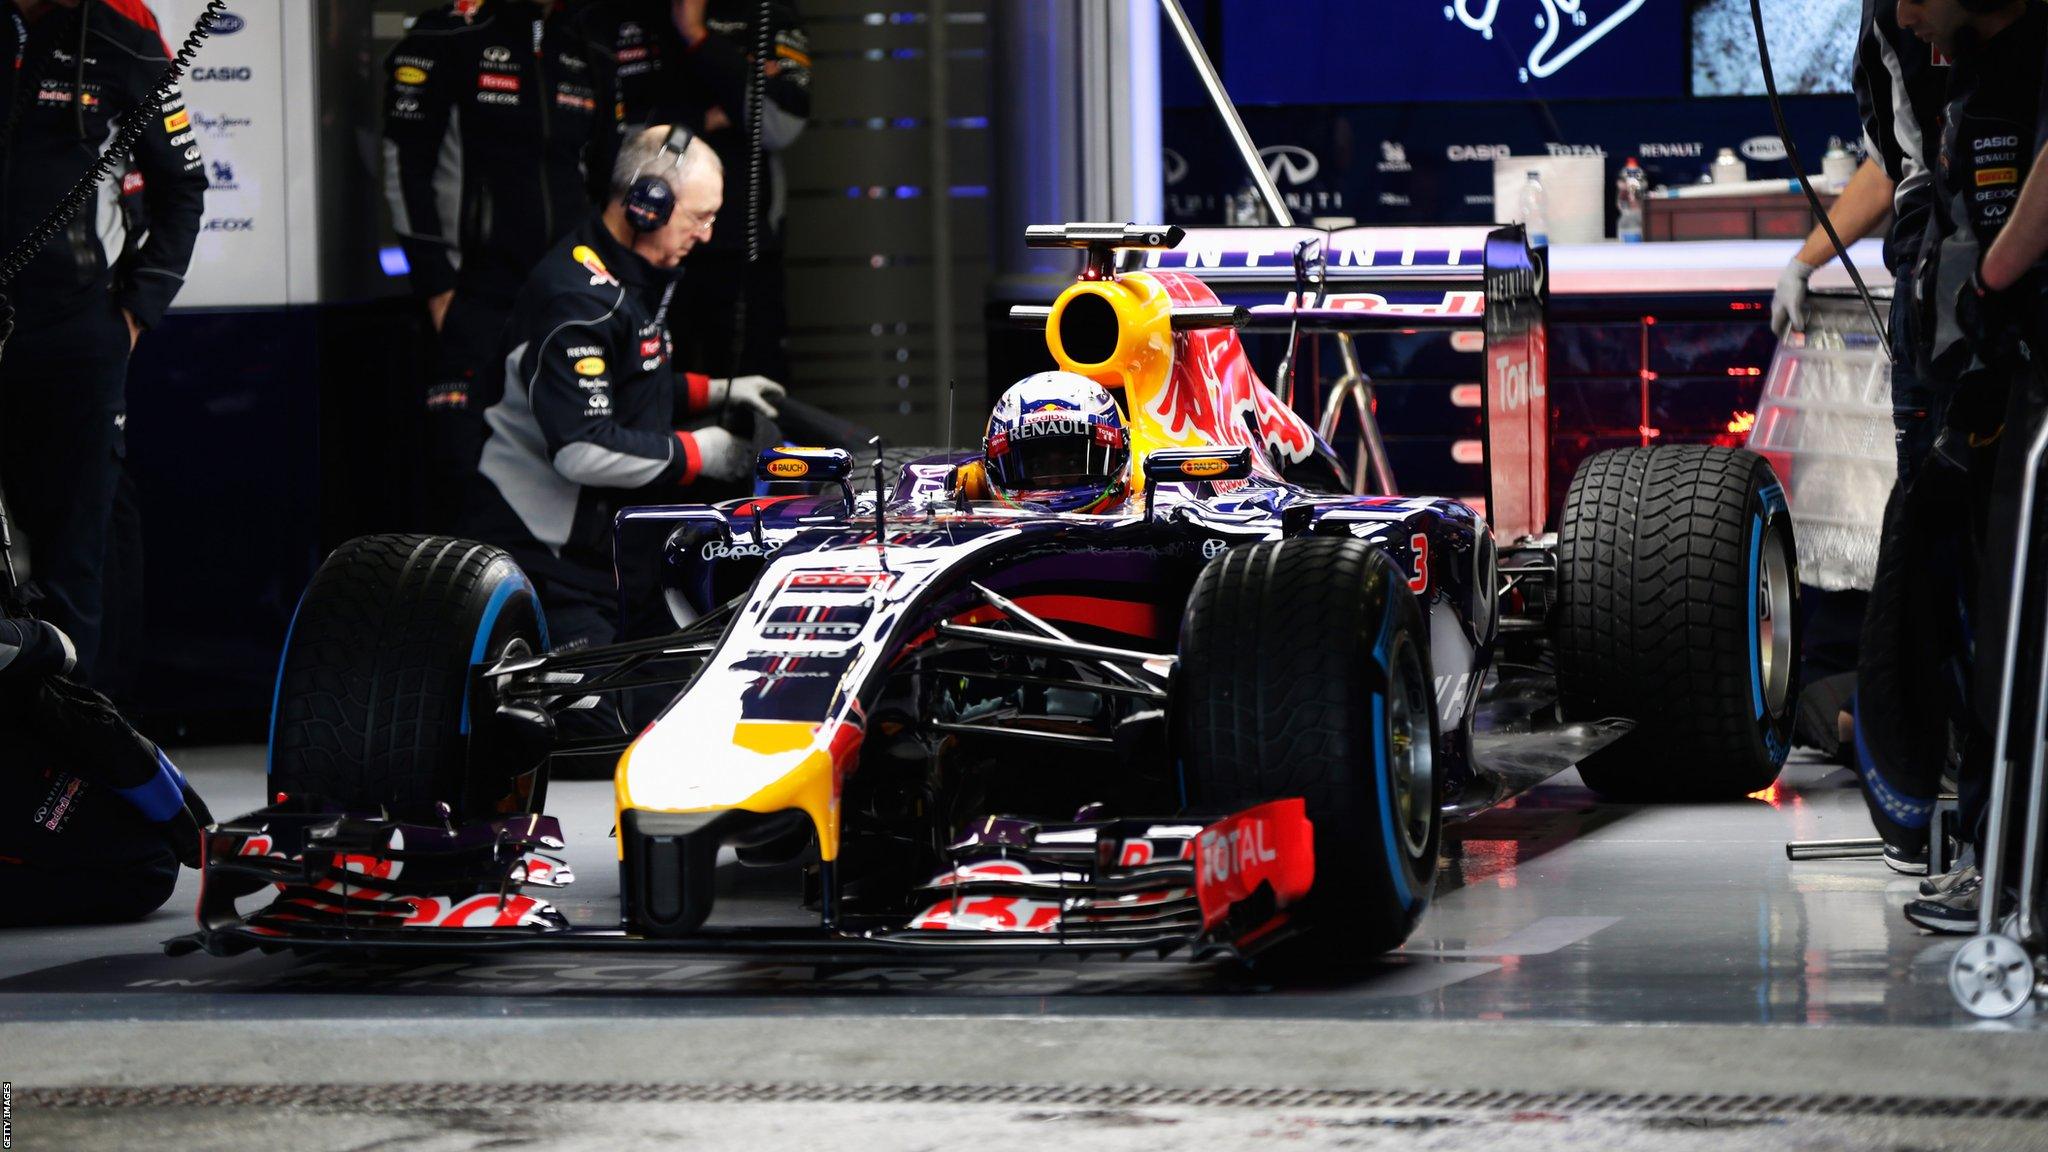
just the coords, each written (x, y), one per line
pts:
(1992, 976)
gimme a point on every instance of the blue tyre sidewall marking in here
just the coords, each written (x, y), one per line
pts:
(1771, 499)
(1756, 658)
(500, 597)
(1397, 864)
(277, 688)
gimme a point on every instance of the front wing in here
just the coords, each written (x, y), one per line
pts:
(1202, 887)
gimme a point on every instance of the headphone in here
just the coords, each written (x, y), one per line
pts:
(649, 200)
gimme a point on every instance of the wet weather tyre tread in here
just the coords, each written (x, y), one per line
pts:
(372, 682)
(1654, 621)
(1274, 697)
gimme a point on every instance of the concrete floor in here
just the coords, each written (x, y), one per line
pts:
(1574, 947)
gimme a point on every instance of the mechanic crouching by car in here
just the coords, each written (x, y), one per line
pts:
(586, 423)
(94, 819)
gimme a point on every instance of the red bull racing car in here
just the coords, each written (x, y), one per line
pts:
(1225, 705)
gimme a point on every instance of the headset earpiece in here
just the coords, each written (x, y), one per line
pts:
(650, 201)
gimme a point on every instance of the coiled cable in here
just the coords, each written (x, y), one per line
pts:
(123, 143)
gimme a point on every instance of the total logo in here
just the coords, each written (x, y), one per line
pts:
(239, 75)
(228, 224)
(1475, 153)
(1576, 150)
(1296, 165)
(1221, 855)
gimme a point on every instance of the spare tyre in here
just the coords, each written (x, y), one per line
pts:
(1678, 609)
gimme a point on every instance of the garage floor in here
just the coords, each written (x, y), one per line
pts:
(1673, 956)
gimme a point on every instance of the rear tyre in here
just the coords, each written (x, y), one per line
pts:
(373, 700)
(1304, 671)
(1678, 608)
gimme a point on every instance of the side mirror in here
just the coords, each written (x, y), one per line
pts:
(804, 465)
(1187, 465)
(1193, 466)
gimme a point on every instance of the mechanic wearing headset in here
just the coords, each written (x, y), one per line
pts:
(1991, 131)
(94, 819)
(586, 422)
(689, 62)
(85, 299)
(500, 124)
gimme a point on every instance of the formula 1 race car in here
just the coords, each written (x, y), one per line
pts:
(1229, 711)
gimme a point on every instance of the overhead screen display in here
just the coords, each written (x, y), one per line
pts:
(1402, 51)
(1813, 45)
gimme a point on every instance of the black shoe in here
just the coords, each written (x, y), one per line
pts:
(1953, 913)
(1905, 848)
(1903, 860)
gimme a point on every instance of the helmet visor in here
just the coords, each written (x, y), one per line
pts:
(1065, 454)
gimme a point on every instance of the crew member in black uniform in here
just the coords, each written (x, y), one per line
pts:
(690, 62)
(1899, 91)
(85, 299)
(94, 819)
(500, 124)
(1990, 128)
(585, 425)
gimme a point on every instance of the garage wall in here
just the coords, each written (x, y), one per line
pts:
(889, 213)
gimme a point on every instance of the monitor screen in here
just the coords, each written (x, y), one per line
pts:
(1401, 51)
(1813, 47)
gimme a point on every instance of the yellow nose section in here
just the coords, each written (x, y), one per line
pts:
(804, 762)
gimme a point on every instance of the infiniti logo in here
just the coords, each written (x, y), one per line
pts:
(1298, 165)
(1175, 166)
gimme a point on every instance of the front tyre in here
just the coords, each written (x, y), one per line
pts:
(1678, 608)
(374, 707)
(1304, 671)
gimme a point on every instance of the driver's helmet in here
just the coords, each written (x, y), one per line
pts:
(1058, 440)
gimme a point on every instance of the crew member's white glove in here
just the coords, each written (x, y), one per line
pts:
(1788, 303)
(722, 455)
(759, 392)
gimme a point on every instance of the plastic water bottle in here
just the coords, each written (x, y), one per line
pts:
(1629, 189)
(1536, 211)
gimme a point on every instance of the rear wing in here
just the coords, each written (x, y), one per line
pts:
(1470, 281)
